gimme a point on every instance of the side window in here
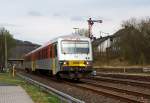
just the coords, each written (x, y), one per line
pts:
(51, 51)
(39, 55)
(46, 52)
(55, 50)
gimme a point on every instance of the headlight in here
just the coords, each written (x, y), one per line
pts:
(65, 63)
(87, 63)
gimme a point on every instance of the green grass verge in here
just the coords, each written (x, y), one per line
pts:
(37, 95)
(139, 74)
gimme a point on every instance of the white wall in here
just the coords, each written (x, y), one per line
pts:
(102, 47)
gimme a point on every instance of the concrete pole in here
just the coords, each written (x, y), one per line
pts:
(2, 58)
(5, 50)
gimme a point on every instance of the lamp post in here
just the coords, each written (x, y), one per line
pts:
(76, 30)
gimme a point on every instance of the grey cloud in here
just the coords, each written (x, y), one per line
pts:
(61, 14)
(8, 25)
(83, 18)
(76, 18)
(57, 14)
(34, 13)
(104, 4)
(104, 19)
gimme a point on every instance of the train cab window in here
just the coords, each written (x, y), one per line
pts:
(75, 47)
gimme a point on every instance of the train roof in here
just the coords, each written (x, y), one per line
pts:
(67, 37)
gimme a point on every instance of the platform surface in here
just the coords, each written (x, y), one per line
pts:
(13, 94)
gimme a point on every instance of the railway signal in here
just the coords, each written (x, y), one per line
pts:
(91, 23)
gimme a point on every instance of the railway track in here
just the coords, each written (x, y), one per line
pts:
(112, 92)
(119, 94)
(123, 81)
(139, 77)
(136, 93)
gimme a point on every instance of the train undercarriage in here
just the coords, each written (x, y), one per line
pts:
(74, 73)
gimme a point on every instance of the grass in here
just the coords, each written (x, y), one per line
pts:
(37, 95)
(104, 62)
(140, 74)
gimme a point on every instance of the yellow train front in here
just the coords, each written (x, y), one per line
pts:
(65, 57)
(75, 69)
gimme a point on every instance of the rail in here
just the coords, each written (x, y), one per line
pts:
(62, 96)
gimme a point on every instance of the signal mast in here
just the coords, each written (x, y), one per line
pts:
(91, 23)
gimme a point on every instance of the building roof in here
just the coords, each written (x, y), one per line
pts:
(100, 40)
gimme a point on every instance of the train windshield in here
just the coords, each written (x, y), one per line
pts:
(75, 47)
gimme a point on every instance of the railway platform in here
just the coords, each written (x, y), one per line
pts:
(13, 94)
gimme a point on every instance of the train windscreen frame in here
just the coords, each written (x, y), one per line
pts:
(74, 47)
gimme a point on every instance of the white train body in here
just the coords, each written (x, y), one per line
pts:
(67, 56)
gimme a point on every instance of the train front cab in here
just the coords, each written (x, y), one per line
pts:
(75, 58)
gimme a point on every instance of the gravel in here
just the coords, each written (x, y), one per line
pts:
(85, 95)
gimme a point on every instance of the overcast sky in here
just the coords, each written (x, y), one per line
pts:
(41, 20)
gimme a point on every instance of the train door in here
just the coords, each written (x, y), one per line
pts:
(54, 59)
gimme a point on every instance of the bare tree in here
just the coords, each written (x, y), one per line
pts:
(135, 40)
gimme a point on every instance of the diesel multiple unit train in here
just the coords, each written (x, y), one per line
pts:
(65, 57)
